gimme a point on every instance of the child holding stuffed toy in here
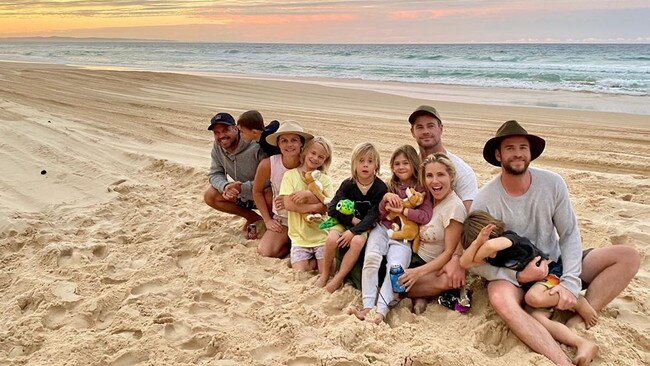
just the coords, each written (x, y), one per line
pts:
(362, 192)
(404, 164)
(307, 239)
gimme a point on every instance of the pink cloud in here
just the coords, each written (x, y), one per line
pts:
(451, 12)
(406, 14)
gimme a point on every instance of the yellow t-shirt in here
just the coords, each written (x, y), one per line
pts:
(302, 233)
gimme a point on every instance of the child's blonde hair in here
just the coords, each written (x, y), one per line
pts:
(414, 159)
(328, 150)
(361, 150)
(438, 158)
(475, 222)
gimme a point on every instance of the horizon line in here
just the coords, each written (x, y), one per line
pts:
(122, 39)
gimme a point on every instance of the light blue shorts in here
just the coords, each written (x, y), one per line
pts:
(299, 254)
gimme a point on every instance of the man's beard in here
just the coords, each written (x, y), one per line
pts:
(512, 171)
(234, 142)
(430, 145)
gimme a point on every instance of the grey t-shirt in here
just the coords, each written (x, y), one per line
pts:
(544, 215)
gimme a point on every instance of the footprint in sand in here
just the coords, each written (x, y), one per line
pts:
(492, 338)
(267, 353)
(122, 271)
(103, 309)
(177, 331)
(202, 308)
(197, 342)
(303, 361)
(182, 336)
(19, 349)
(157, 287)
(29, 303)
(13, 246)
(621, 239)
(129, 358)
(67, 255)
(210, 298)
(185, 259)
(54, 317)
(66, 291)
(128, 333)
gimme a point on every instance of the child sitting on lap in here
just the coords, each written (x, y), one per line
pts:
(485, 240)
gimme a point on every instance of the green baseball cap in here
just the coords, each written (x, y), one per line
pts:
(424, 110)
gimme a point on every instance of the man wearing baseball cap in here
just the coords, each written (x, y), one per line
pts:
(232, 156)
(535, 204)
(427, 128)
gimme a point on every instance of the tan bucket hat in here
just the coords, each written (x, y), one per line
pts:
(288, 127)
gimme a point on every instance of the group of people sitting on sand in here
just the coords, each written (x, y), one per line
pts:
(519, 231)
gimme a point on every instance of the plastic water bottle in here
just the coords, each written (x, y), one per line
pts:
(396, 271)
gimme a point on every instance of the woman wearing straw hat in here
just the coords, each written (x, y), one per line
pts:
(289, 138)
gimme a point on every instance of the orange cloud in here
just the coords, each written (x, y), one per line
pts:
(281, 19)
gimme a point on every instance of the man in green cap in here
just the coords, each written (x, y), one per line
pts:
(535, 204)
(427, 128)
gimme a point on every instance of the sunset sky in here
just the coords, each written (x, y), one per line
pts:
(333, 21)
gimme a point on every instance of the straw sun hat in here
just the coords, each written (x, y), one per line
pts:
(288, 127)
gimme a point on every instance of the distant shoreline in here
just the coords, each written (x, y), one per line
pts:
(144, 40)
(495, 96)
(81, 40)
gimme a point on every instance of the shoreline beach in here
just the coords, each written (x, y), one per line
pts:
(497, 96)
(111, 257)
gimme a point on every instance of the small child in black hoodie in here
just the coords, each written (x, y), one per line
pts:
(251, 126)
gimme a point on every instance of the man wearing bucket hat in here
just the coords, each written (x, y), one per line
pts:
(290, 137)
(535, 203)
(232, 156)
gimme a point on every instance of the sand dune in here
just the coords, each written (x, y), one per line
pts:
(112, 258)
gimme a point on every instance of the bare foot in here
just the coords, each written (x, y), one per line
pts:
(321, 282)
(588, 314)
(360, 314)
(419, 305)
(333, 285)
(378, 319)
(585, 352)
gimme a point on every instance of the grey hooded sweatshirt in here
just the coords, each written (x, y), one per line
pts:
(241, 166)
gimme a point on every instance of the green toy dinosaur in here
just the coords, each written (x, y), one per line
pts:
(345, 207)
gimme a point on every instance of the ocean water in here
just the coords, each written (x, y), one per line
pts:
(612, 69)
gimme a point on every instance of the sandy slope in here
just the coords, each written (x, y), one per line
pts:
(112, 258)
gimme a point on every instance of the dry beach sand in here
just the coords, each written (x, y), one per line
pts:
(112, 258)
